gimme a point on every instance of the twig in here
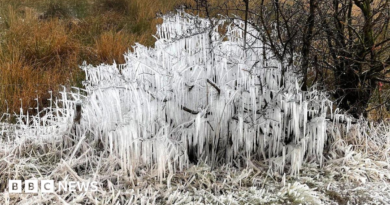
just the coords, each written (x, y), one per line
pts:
(215, 86)
(189, 110)
(77, 148)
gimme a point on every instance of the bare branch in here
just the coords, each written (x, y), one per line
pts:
(215, 86)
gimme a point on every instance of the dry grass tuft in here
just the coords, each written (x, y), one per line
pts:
(110, 46)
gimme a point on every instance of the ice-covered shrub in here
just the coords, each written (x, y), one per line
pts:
(197, 95)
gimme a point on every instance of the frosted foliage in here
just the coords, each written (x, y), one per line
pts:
(54, 120)
(197, 91)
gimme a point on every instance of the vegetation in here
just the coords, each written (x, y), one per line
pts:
(206, 117)
(43, 42)
(340, 45)
(175, 131)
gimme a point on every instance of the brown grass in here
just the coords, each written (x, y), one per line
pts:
(35, 57)
(43, 42)
(111, 46)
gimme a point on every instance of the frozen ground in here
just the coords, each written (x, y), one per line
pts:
(357, 181)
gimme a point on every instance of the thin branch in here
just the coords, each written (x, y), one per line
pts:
(215, 86)
(189, 110)
(382, 80)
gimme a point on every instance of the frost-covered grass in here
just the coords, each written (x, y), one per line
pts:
(197, 119)
(199, 184)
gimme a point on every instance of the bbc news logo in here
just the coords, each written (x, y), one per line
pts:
(48, 186)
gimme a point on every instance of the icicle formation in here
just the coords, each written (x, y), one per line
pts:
(196, 95)
(201, 94)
